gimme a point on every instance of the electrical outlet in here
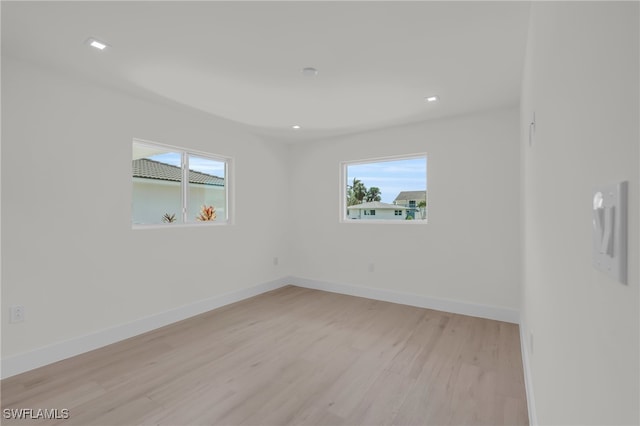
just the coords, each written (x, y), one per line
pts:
(372, 267)
(275, 261)
(17, 313)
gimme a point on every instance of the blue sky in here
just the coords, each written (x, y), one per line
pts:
(204, 165)
(391, 177)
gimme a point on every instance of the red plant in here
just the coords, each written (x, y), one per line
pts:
(207, 213)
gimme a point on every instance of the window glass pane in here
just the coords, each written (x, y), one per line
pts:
(394, 189)
(157, 191)
(207, 196)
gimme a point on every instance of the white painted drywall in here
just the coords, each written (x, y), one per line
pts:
(469, 250)
(581, 79)
(69, 254)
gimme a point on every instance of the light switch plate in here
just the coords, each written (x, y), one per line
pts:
(609, 230)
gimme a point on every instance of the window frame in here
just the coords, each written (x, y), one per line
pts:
(342, 204)
(184, 186)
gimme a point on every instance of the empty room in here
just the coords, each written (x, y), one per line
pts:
(320, 213)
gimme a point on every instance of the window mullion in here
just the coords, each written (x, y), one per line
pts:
(185, 186)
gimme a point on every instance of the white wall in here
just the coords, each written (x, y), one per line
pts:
(581, 79)
(69, 254)
(469, 249)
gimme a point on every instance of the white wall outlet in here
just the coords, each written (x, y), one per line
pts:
(17, 313)
(275, 261)
(372, 267)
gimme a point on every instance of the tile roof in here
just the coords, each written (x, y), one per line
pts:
(412, 195)
(151, 169)
(376, 205)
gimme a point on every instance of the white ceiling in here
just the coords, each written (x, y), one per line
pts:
(243, 60)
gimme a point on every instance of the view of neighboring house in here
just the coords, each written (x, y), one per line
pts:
(376, 210)
(157, 191)
(411, 200)
(407, 205)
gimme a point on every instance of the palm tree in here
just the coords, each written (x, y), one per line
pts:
(373, 194)
(356, 192)
(423, 208)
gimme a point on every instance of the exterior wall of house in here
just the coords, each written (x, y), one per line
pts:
(404, 203)
(417, 212)
(210, 195)
(381, 214)
(153, 198)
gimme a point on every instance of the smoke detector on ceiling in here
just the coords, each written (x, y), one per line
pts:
(309, 72)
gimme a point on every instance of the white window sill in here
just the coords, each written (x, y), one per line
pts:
(180, 225)
(385, 221)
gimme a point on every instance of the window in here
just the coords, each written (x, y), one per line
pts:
(391, 189)
(172, 185)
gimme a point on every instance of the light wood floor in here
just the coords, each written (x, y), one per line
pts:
(292, 356)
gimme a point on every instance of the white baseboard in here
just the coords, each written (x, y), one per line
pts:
(528, 383)
(447, 305)
(20, 363)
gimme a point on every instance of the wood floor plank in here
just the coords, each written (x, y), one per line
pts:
(292, 356)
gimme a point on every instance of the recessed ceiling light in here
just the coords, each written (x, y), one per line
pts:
(431, 98)
(295, 127)
(97, 44)
(309, 72)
